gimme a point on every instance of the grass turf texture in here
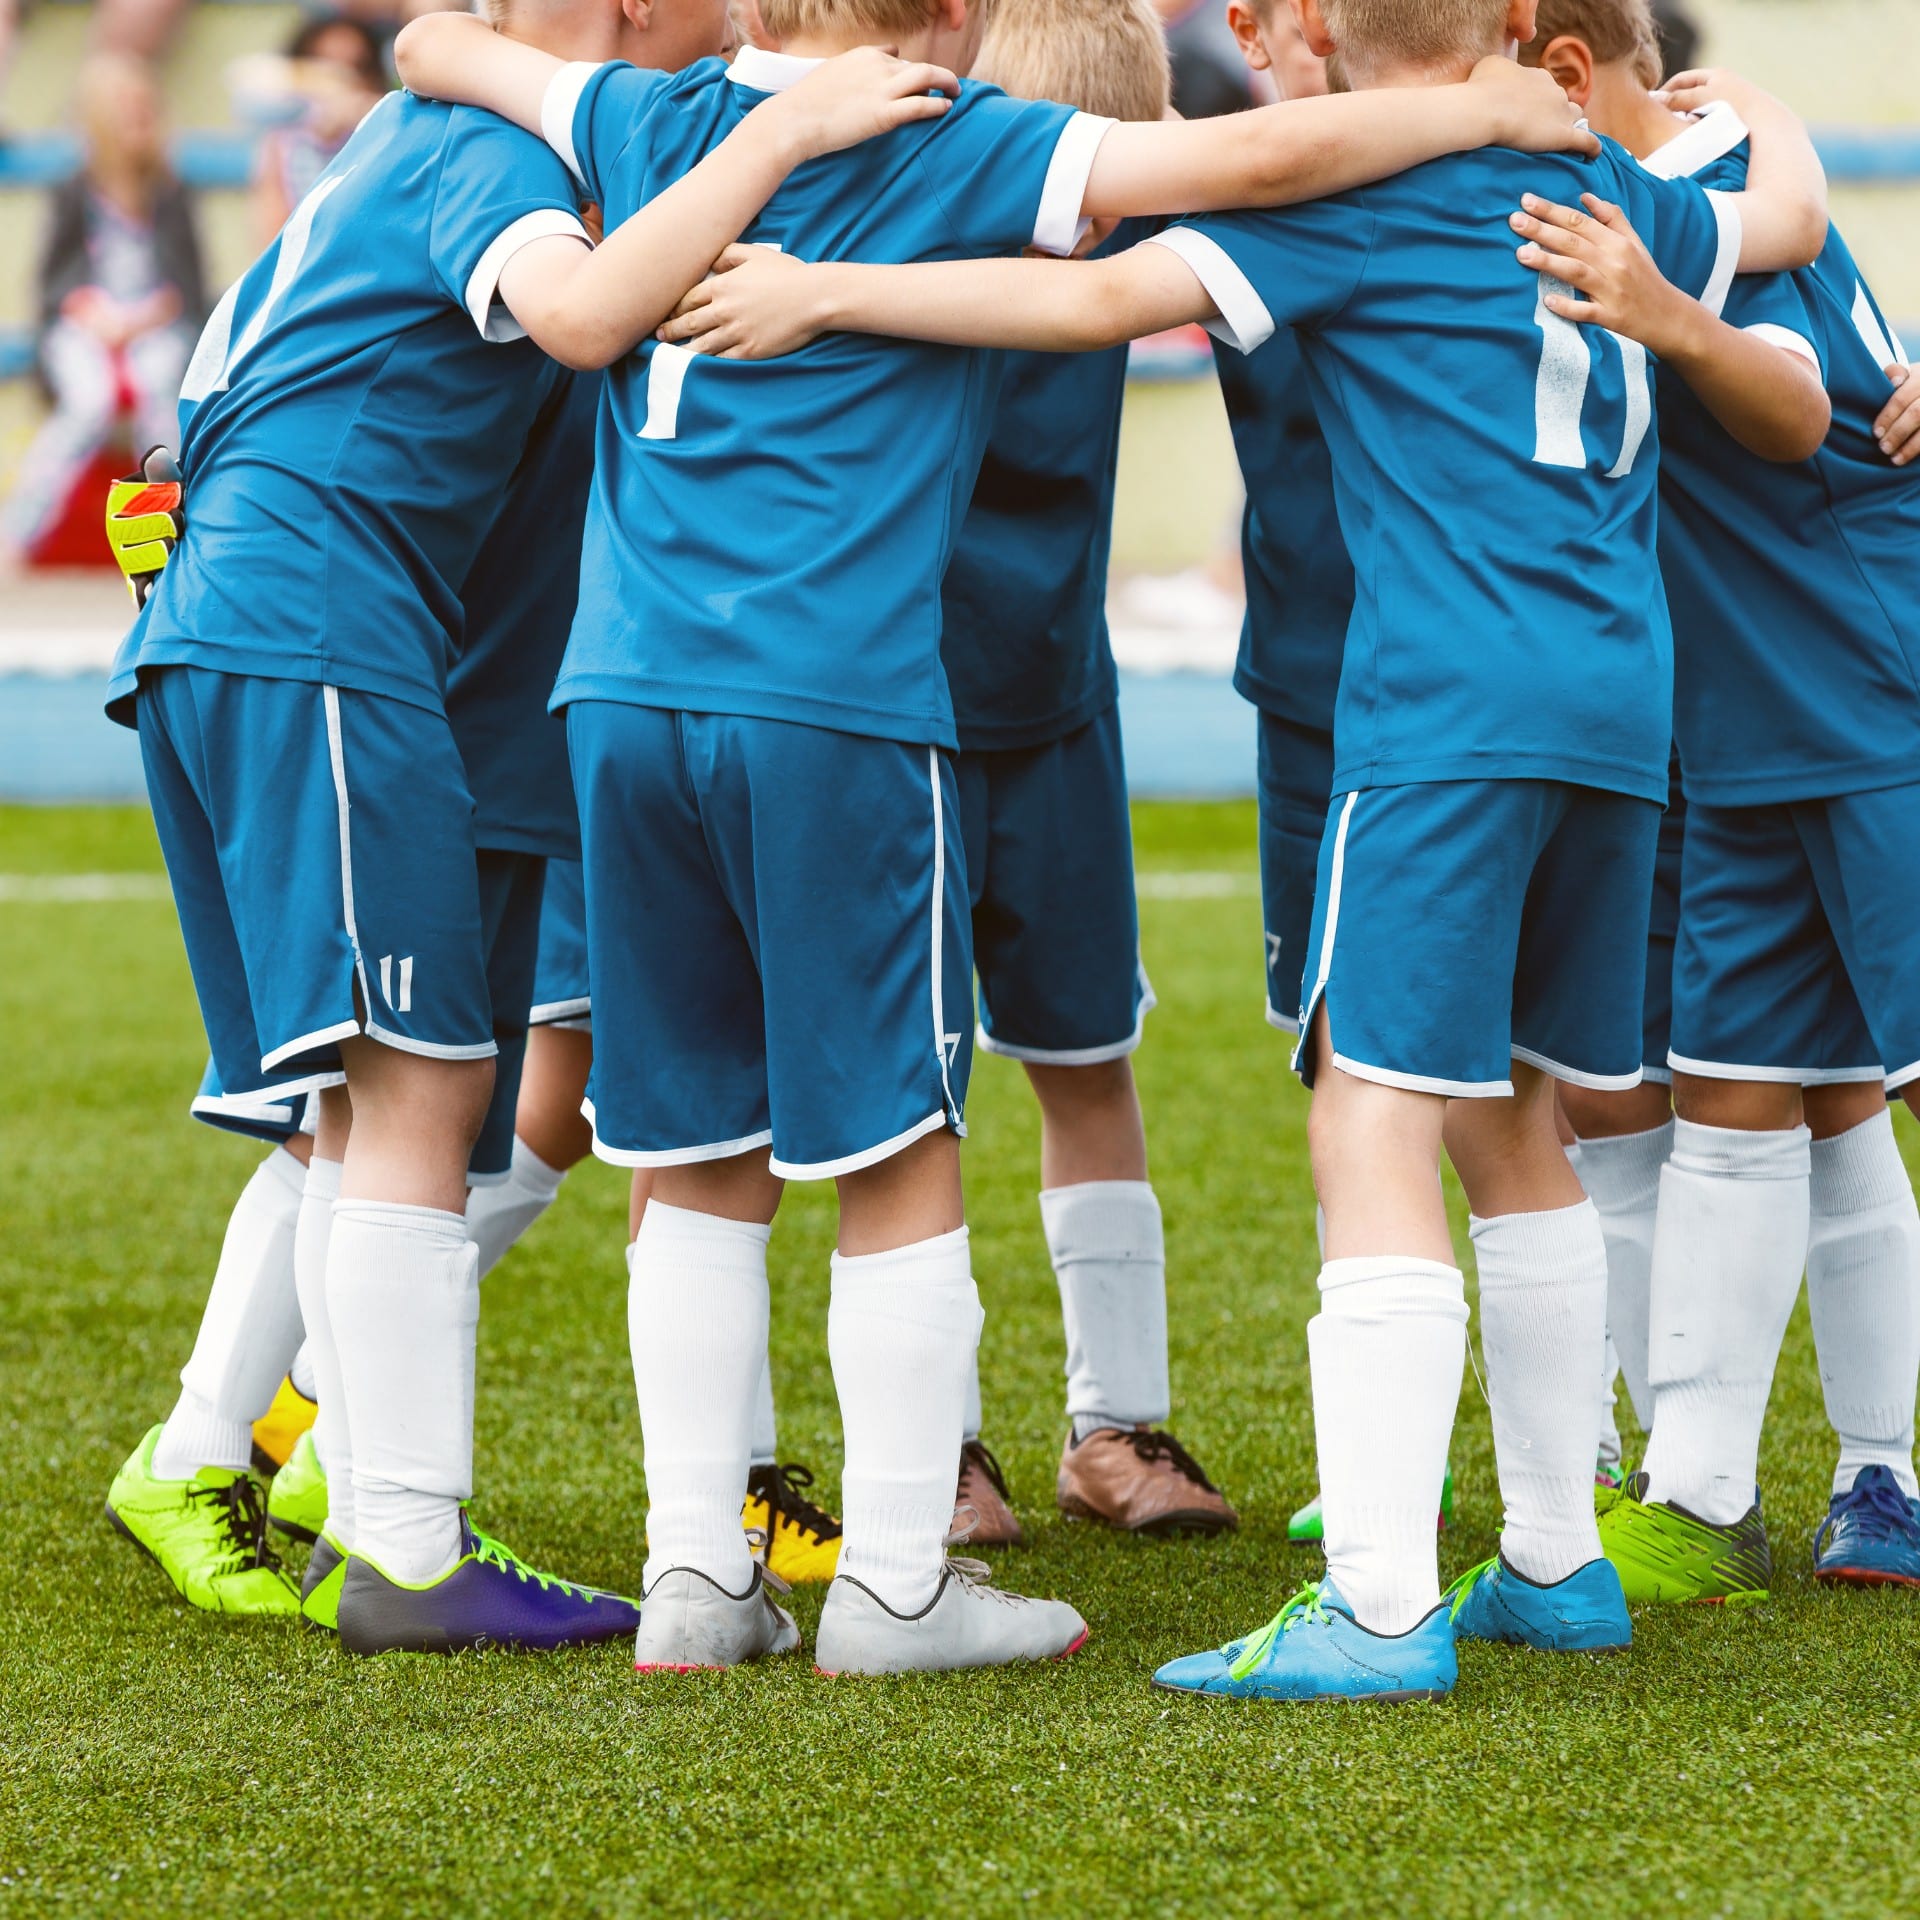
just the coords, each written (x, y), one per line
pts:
(158, 1761)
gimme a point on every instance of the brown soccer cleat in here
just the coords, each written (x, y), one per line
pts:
(1141, 1481)
(982, 1516)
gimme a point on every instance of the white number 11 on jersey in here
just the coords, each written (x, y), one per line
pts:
(1560, 388)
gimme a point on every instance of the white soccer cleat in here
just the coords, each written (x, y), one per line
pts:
(967, 1623)
(689, 1623)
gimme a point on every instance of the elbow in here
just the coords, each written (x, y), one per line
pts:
(1808, 433)
(406, 49)
(1810, 226)
(575, 339)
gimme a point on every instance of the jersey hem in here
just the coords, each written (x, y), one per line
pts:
(1828, 783)
(1567, 770)
(754, 703)
(1039, 733)
(246, 664)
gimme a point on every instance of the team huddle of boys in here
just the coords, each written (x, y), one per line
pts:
(654, 699)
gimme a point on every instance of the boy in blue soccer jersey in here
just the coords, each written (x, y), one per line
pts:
(351, 420)
(762, 743)
(1794, 1009)
(1043, 811)
(1501, 746)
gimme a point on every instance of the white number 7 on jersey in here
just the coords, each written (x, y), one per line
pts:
(1560, 388)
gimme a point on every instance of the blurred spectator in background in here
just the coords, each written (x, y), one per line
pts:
(1679, 35)
(308, 100)
(121, 296)
(141, 28)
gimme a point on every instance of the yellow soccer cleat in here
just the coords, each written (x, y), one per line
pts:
(276, 1431)
(146, 516)
(802, 1540)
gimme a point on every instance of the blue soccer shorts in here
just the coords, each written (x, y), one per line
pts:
(319, 842)
(1462, 925)
(1663, 930)
(1296, 780)
(561, 997)
(1056, 929)
(1799, 951)
(510, 916)
(778, 935)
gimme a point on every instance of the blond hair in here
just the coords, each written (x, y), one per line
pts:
(1423, 33)
(789, 19)
(1612, 29)
(1103, 56)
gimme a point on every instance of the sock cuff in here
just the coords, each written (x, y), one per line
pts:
(1732, 1154)
(323, 1179)
(1860, 1169)
(1522, 1249)
(431, 1223)
(285, 1172)
(1391, 1285)
(712, 1230)
(533, 1173)
(1103, 1219)
(949, 1251)
(1620, 1169)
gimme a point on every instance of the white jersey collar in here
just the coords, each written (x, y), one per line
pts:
(768, 72)
(1710, 135)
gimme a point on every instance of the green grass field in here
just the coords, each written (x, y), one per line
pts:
(154, 1761)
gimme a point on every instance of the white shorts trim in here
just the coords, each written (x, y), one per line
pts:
(1657, 1076)
(342, 1030)
(937, 948)
(1780, 1076)
(1424, 1083)
(1075, 1056)
(283, 1106)
(1574, 1077)
(867, 1157)
(670, 1156)
(1282, 1022)
(1324, 966)
(488, 1179)
(554, 1013)
(1903, 1076)
(432, 1049)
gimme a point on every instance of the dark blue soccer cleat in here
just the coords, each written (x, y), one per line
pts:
(1584, 1613)
(488, 1598)
(1871, 1535)
(1314, 1649)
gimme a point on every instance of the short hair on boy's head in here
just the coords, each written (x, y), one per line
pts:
(1417, 32)
(787, 19)
(1613, 30)
(1107, 57)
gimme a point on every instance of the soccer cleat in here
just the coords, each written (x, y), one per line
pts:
(280, 1427)
(320, 1589)
(1140, 1481)
(1584, 1613)
(982, 1513)
(691, 1624)
(802, 1540)
(1664, 1553)
(489, 1597)
(1871, 1535)
(297, 1494)
(209, 1535)
(1314, 1649)
(968, 1623)
(1305, 1529)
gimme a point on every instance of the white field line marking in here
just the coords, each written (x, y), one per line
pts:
(45, 889)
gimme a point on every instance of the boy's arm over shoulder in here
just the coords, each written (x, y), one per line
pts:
(1783, 212)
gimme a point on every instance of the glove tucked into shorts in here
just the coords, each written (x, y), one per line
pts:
(146, 515)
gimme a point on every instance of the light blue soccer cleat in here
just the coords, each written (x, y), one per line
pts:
(1871, 1535)
(1314, 1649)
(1584, 1613)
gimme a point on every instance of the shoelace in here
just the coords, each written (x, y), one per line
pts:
(495, 1553)
(978, 1575)
(977, 1453)
(1462, 1589)
(757, 1543)
(1304, 1607)
(1150, 1444)
(243, 1518)
(783, 1489)
(1880, 1509)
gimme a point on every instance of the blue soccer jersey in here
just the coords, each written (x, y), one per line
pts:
(1493, 464)
(519, 602)
(347, 427)
(1796, 623)
(1298, 577)
(769, 538)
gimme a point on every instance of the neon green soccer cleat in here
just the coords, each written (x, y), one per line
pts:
(1304, 1528)
(297, 1494)
(1663, 1553)
(209, 1535)
(320, 1590)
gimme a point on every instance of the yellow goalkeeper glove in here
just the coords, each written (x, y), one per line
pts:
(146, 515)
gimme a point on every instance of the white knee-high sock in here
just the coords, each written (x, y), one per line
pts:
(1727, 1254)
(1622, 1178)
(1387, 1347)
(497, 1215)
(1863, 1288)
(403, 1293)
(1110, 1258)
(970, 1415)
(332, 1433)
(249, 1331)
(900, 1328)
(697, 1319)
(300, 1370)
(1543, 1328)
(766, 1427)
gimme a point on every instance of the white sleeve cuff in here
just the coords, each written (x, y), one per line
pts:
(1726, 262)
(484, 282)
(558, 106)
(1244, 320)
(1057, 227)
(1786, 340)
